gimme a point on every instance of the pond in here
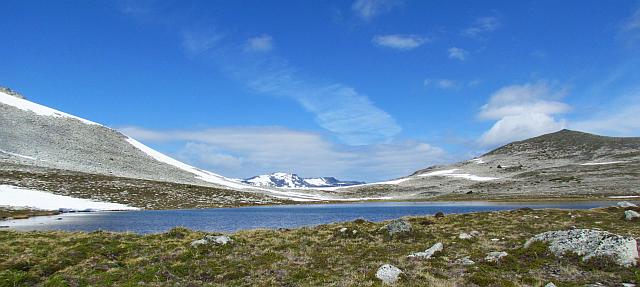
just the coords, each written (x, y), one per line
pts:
(280, 216)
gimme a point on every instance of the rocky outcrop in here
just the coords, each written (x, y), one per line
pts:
(589, 243)
(631, 215)
(427, 253)
(388, 274)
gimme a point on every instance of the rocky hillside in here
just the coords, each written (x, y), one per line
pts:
(288, 180)
(561, 164)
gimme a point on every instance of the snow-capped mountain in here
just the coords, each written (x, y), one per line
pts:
(288, 180)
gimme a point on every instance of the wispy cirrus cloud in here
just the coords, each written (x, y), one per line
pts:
(348, 114)
(458, 53)
(482, 26)
(369, 9)
(400, 41)
(248, 151)
(262, 43)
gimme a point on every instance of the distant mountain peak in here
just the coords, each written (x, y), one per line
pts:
(292, 180)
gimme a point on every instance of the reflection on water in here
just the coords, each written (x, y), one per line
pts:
(285, 216)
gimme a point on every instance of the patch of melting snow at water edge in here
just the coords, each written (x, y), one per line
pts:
(602, 163)
(13, 196)
(452, 173)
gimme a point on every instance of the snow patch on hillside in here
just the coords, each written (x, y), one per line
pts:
(26, 105)
(18, 155)
(17, 197)
(453, 173)
(602, 163)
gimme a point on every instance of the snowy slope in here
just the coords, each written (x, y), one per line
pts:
(25, 105)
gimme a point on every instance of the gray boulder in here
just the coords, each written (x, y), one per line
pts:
(631, 215)
(590, 243)
(550, 284)
(388, 274)
(398, 226)
(427, 253)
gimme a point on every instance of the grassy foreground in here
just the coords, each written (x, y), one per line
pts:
(318, 256)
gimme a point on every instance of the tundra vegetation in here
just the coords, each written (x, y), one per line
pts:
(340, 254)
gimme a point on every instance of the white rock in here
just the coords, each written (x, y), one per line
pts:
(495, 256)
(495, 239)
(466, 261)
(427, 253)
(388, 274)
(628, 285)
(590, 243)
(631, 215)
(198, 242)
(220, 239)
(209, 239)
(475, 233)
(343, 230)
(625, 204)
(550, 284)
(465, 236)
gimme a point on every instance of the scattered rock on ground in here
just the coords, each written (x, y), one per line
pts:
(398, 226)
(590, 243)
(427, 253)
(439, 214)
(466, 261)
(388, 274)
(550, 284)
(343, 230)
(465, 236)
(631, 215)
(212, 239)
(495, 256)
(625, 204)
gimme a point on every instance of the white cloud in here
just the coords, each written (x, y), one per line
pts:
(482, 26)
(633, 23)
(621, 118)
(197, 42)
(263, 43)
(369, 9)
(248, 151)
(522, 111)
(458, 53)
(444, 84)
(519, 127)
(338, 108)
(400, 42)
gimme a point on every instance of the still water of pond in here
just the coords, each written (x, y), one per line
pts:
(282, 216)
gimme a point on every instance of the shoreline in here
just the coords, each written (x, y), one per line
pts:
(322, 254)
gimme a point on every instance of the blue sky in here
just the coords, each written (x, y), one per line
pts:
(363, 89)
